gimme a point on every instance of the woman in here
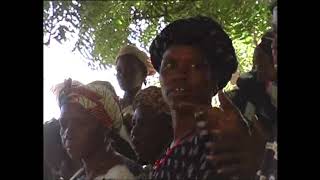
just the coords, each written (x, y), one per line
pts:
(269, 165)
(256, 93)
(195, 59)
(133, 66)
(57, 164)
(90, 115)
(152, 130)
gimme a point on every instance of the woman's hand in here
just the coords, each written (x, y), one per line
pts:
(233, 152)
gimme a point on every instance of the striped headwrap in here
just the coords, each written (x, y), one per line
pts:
(98, 98)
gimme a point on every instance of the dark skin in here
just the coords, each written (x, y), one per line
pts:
(130, 74)
(241, 159)
(265, 67)
(243, 166)
(184, 67)
(61, 165)
(57, 159)
(150, 133)
(83, 137)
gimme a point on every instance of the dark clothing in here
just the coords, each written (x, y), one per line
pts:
(123, 147)
(252, 99)
(269, 167)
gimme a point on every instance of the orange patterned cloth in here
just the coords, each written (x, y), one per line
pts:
(98, 98)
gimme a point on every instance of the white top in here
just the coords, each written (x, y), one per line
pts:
(117, 172)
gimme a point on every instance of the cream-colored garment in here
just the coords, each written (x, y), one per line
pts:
(117, 172)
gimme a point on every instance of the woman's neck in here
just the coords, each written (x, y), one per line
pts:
(183, 123)
(100, 162)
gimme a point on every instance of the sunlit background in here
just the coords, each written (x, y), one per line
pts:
(59, 64)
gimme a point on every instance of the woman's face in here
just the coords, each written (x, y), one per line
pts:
(264, 66)
(80, 132)
(130, 72)
(150, 133)
(186, 77)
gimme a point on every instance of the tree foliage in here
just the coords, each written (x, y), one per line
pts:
(102, 27)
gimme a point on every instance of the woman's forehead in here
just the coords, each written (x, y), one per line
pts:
(127, 59)
(72, 110)
(182, 52)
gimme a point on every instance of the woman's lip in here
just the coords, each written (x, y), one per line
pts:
(177, 90)
(175, 93)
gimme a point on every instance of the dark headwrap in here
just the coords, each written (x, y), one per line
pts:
(203, 33)
(152, 98)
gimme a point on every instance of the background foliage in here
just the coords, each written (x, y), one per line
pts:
(102, 27)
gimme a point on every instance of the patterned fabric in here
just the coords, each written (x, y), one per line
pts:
(151, 97)
(143, 57)
(98, 98)
(186, 161)
(203, 33)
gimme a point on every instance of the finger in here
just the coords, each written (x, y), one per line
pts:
(224, 159)
(219, 148)
(230, 170)
(222, 136)
(191, 106)
(216, 117)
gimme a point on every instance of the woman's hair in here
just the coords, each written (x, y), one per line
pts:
(204, 34)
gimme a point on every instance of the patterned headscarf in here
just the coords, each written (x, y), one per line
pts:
(140, 55)
(151, 97)
(203, 33)
(98, 98)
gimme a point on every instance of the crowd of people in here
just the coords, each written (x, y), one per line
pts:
(172, 132)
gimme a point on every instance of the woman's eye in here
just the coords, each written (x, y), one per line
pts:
(167, 66)
(198, 66)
